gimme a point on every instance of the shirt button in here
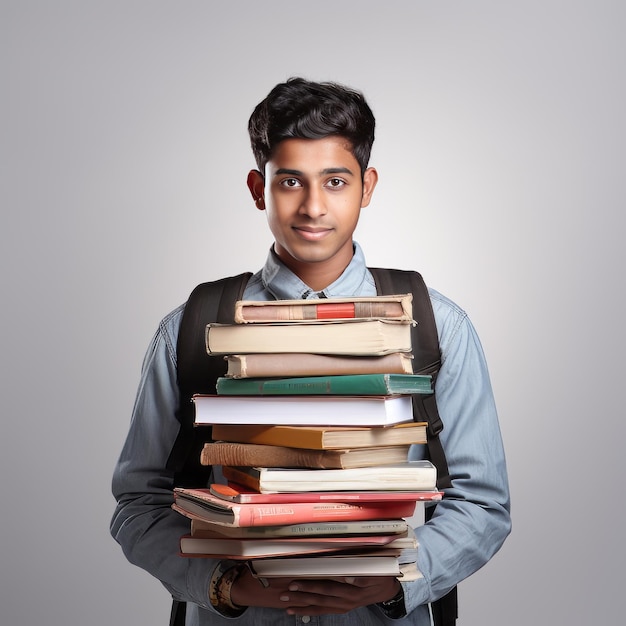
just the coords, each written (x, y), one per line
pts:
(306, 619)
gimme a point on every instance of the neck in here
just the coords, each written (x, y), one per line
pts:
(316, 279)
(321, 274)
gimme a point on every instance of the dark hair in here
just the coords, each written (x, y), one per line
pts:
(301, 109)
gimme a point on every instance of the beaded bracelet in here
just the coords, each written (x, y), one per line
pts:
(220, 586)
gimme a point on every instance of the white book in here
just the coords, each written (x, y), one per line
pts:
(303, 410)
(327, 566)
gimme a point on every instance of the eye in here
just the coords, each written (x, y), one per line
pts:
(290, 182)
(336, 183)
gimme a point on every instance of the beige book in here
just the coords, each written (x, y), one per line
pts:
(237, 548)
(201, 528)
(355, 337)
(407, 476)
(303, 364)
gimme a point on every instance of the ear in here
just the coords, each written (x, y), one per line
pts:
(370, 178)
(256, 185)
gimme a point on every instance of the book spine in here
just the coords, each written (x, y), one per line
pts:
(201, 528)
(323, 311)
(304, 364)
(302, 438)
(252, 548)
(268, 480)
(230, 453)
(378, 564)
(348, 385)
(302, 410)
(367, 384)
(233, 492)
(372, 337)
(252, 480)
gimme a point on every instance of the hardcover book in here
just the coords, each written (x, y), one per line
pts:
(409, 476)
(240, 494)
(323, 437)
(202, 504)
(363, 564)
(305, 364)
(348, 385)
(354, 337)
(235, 548)
(303, 410)
(252, 454)
(398, 307)
(338, 528)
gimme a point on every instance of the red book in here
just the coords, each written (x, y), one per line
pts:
(202, 504)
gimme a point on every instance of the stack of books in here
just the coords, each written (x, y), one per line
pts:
(299, 338)
(312, 425)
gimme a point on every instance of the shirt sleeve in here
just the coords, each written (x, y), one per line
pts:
(144, 524)
(472, 521)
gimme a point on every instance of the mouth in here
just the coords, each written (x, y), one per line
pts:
(311, 233)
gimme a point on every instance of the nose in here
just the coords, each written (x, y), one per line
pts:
(313, 203)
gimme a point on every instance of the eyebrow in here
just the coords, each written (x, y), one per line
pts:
(325, 172)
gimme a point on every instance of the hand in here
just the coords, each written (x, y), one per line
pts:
(313, 597)
(249, 591)
(318, 597)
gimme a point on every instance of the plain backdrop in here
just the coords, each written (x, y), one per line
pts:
(124, 153)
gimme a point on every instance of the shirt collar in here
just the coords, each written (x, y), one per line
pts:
(283, 284)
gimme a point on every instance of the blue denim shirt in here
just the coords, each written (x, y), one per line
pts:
(468, 527)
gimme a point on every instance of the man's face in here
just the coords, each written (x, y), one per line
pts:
(313, 195)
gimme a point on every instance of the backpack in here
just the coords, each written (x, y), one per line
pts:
(198, 372)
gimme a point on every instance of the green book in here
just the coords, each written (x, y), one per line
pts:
(348, 385)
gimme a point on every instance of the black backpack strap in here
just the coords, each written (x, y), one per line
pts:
(426, 356)
(426, 360)
(178, 614)
(445, 610)
(198, 372)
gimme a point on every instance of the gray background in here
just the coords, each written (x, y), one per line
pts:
(124, 154)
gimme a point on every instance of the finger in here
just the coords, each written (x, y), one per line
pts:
(324, 597)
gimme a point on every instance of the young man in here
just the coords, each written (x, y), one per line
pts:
(312, 144)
